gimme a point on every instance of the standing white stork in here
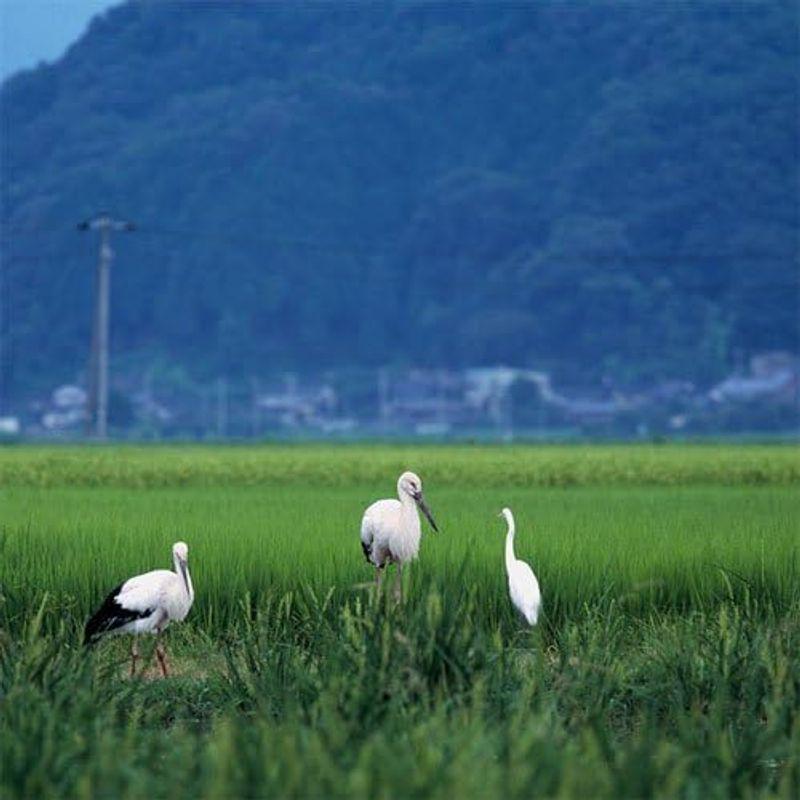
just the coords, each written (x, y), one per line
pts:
(522, 584)
(146, 604)
(390, 529)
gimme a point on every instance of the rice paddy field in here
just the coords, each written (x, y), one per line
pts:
(665, 663)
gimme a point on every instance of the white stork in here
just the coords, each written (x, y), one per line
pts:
(390, 529)
(146, 604)
(522, 584)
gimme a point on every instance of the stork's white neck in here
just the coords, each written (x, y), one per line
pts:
(409, 514)
(182, 571)
(189, 584)
(406, 499)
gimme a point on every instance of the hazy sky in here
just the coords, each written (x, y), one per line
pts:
(41, 30)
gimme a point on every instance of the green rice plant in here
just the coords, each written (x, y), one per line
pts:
(649, 549)
(467, 466)
(425, 700)
(665, 664)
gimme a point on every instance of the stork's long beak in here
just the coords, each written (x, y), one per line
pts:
(423, 507)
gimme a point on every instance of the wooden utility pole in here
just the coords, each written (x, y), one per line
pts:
(97, 416)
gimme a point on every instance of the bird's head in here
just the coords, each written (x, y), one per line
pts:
(180, 550)
(509, 517)
(409, 483)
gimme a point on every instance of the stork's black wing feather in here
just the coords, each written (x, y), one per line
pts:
(367, 548)
(111, 615)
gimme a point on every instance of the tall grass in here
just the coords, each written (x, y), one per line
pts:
(427, 700)
(648, 549)
(347, 465)
(665, 664)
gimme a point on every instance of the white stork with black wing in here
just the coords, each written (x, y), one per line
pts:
(146, 604)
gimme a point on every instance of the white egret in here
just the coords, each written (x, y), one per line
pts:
(146, 604)
(390, 529)
(522, 584)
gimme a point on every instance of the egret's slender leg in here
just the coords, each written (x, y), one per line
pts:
(134, 656)
(161, 655)
(378, 577)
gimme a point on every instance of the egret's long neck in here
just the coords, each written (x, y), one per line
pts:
(510, 557)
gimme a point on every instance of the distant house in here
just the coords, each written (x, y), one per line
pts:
(488, 384)
(9, 426)
(773, 378)
(296, 406)
(436, 400)
(67, 409)
(69, 396)
(429, 402)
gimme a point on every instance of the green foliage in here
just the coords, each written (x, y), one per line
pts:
(665, 663)
(427, 700)
(648, 548)
(492, 466)
(587, 188)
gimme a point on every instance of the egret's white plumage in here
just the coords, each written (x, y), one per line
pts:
(146, 603)
(391, 530)
(522, 584)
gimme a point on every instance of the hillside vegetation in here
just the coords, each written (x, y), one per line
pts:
(581, 187)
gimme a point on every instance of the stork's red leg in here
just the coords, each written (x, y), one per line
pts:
(162, 658)
(134, 656)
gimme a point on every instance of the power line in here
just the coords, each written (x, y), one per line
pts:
(237, 238)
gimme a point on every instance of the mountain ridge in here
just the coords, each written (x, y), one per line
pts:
(588, 190)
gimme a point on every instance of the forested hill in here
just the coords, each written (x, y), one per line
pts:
(582, 187)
